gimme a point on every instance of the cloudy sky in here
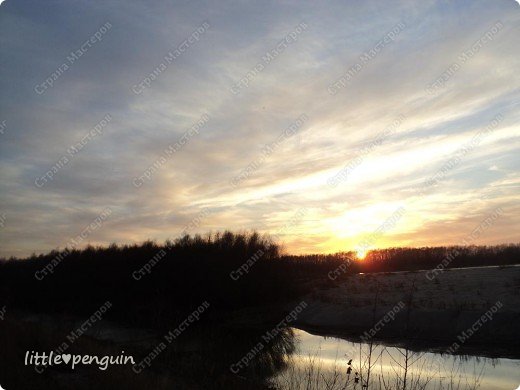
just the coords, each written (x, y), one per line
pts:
(332, 125)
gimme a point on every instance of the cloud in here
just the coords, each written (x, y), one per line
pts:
(37, 37)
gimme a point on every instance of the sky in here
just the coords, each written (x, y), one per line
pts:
(332, 126)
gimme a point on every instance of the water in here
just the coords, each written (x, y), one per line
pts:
(321, 363)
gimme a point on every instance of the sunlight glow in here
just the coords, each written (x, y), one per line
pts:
(361, 253)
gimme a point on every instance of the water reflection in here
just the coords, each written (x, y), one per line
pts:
(204, 357)
(323, 363)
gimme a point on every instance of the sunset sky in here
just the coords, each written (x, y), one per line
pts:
(315, 121)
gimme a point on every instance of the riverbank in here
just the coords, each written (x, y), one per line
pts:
(456, 310)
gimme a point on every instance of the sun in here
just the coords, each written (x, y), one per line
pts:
(361, 253)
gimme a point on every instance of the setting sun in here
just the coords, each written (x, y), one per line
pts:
(361, 253)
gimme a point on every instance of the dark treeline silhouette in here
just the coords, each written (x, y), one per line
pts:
(411, 259)
(230, 271)
(184, 274)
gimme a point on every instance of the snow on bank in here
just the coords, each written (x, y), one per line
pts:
(441, 305)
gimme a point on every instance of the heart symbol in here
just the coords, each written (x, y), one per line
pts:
(66, 358)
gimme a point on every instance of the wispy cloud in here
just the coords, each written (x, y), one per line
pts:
(36, 37)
